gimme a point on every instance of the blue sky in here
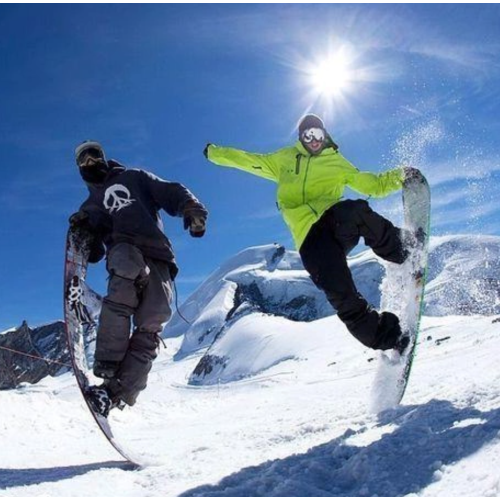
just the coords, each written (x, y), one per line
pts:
(154, 83)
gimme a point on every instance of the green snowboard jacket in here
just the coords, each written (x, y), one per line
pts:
(308, 185)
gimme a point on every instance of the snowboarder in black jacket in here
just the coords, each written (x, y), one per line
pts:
(122, 212)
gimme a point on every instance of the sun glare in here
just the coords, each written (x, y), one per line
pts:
(337, 78)
(333, 76)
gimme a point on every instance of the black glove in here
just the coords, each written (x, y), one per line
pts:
(195, 219)
(411, 174)
(79, 219)
(205, 151)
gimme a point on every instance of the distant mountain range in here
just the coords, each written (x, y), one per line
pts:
(39, 344)
(463, 279)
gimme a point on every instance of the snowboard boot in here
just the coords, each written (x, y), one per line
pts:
(105, 369)
(102, 401)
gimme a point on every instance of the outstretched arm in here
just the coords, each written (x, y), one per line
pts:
(178, 201)
(376, 185)
(263, 165)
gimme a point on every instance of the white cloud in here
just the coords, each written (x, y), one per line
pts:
(464, 168)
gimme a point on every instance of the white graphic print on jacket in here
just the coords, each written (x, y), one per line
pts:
(116, 198)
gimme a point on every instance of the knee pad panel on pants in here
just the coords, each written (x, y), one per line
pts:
(127, 262)
(122, 296)
(145, 345)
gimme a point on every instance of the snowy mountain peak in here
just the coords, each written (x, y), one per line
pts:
(464, 276)
(268, 286)
(265, 279)
(260, 285)
(47, 342)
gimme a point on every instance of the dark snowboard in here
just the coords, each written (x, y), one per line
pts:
(81, 311)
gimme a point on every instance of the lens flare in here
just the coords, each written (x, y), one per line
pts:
(333, 76)
(336, 77)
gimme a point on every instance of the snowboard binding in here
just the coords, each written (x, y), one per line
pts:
(102, 401)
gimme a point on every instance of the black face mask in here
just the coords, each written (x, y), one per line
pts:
(96, 174)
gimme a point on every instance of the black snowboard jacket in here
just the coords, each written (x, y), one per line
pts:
(125, 209)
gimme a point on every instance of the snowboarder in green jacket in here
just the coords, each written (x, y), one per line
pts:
(311, 177)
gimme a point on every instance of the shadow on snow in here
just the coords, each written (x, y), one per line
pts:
(11, 478)
(402, 461)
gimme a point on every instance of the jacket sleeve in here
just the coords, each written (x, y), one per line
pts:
(98, 225)
(172, 197)
(262, 165)
(376, 185)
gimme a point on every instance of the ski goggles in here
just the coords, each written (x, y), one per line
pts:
(313, 134)
(89, 157)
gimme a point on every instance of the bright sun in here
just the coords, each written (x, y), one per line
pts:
(337, 78)
(333, 76)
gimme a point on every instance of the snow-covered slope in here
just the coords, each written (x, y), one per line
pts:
(300, 428)
(237, 307)
(263, 283)
(464, 276)
(287, 411)
(266, 279)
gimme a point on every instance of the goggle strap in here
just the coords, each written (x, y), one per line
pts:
(90, 152)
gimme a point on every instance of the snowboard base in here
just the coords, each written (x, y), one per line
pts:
(403, 294)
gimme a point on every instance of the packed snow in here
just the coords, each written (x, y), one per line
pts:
(288, 411)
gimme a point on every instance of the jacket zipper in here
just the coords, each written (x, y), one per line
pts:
(304, 187)
(297, 164)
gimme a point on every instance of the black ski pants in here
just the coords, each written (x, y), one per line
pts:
(324, 255)
(139, 293)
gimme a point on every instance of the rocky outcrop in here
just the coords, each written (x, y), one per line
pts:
(30, 354)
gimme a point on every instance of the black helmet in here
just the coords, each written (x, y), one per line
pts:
(310, 121)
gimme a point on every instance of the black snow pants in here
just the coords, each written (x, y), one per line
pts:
(139, 290)
(324, 255)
